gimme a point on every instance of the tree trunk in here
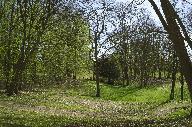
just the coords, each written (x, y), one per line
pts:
(141, 78)
(175, 35)
(15, 84)
(182, 84)
(178, 43)
(173, 76)
(126, 75)
(7, 59)
(159, 68)
(97, 67)
(34, 73)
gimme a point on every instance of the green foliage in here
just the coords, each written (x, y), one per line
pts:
(108, 68)
(41, 42)
(66, 51)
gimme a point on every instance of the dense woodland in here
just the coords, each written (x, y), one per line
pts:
(100, 51)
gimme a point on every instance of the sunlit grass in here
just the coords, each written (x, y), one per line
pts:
(76, 105)
(128, 94)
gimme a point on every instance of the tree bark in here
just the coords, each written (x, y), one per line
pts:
(178, 43)
(173, 77)
(97, 69)
(182, 84)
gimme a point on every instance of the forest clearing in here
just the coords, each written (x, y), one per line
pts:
(95, 63)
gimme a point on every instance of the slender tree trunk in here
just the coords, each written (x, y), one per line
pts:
(168, 74)
(7, 61)
(75, 71)
(159, 68)
(126, 75)
(182, 84)
(173, 77)
(122, 70)
(141, 78)
(97, 67)
(164, 73)
(97, 81)
(154, 74)
(34, 73)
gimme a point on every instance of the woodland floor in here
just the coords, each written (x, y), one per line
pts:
(76, 106)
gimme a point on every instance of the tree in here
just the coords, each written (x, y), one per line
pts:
(64, 51)
(40, 41)
(173, 75)
(97, 16)
(24, 23)
(174, 30)
(141, 46)
(123, 14)
(108, 68)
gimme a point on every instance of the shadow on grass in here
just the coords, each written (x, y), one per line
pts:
(108, 92)
(117, 93)
(158, 105)
(12, 125)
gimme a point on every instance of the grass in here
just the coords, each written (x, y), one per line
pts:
(127, 94)
(78, 106)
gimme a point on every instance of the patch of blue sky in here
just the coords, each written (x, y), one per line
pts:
(183, 7)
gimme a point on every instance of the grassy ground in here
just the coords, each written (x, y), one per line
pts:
(77, 106)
